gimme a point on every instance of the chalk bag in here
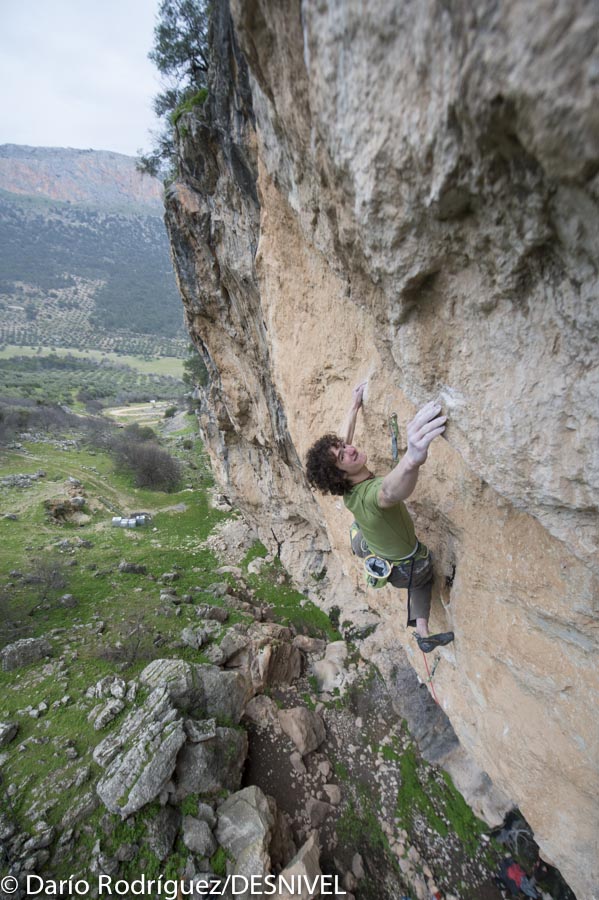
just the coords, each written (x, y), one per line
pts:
(377, 571)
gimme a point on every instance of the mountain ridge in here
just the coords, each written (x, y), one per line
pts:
(101, 178)
(84, 260)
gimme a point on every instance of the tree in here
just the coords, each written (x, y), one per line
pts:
(195, 372)
(180, 47)
(180, 53)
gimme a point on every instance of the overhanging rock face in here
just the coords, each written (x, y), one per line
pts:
(409, 194)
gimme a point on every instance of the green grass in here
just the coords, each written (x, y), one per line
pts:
(431, 792)
(291, 607)
(359, 827)
(124, 603)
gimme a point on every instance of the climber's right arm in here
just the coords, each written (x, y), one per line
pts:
(346, 432)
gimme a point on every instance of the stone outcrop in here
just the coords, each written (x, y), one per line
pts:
(204, 690)
(211, 765)
(410, 195)
(24, 652)
(141, 756)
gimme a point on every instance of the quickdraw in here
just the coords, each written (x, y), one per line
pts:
(394, 429)
(431, 675)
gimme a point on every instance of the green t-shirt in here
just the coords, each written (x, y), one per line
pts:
(388, 532)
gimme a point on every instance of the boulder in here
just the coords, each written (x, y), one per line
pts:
(8, 731)
(318, 811)
(102, 715)
(330, 671)
(206, 814)
(204, 690)
(195, 637)
(309, 644)
(256, 565)
(282, 846)
(161, 831)
(24, 652)
(215, 613)
(304, 727)
(176, 675)
(209, 766)
(305, 866)
(198, 731)
(261, 711)
(232, 646)
(140, 758)
(333, 792)
(265, 653)
(111, 686)
(169, 577)
(128, 568)
(245, 827)
(222, 694)
(198, 837)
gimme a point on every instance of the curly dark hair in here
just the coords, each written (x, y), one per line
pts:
(321, 470)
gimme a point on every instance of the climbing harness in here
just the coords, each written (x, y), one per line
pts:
(394, 429)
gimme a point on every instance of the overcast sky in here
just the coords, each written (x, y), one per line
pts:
(75, 73)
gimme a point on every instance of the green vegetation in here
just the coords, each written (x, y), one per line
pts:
(430, 792)
(167, 365)
(127, 604)
(195, 372)
(359, 827)
(188, 105)
(218, 862)
(291, 607)
(78, 381)
(189, 806)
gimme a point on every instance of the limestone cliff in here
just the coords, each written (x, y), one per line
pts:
(409, 193)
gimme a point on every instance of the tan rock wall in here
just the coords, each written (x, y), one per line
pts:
(408, 194)
(517, 682)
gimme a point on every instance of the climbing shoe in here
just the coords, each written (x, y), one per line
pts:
(429, 643)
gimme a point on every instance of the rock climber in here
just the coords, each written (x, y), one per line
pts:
(383, 527)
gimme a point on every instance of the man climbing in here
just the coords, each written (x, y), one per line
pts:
(383, 526)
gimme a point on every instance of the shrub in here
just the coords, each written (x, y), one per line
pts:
(169, 412)
(48, 574)
(139, 433)
(151, 466)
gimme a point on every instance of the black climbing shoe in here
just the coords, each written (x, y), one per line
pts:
(429, 643)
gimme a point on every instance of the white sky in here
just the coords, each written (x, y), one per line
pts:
(75, 73)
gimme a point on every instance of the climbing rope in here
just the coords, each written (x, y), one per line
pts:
(431, 675)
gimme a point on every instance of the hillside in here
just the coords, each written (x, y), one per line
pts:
(84, 259)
